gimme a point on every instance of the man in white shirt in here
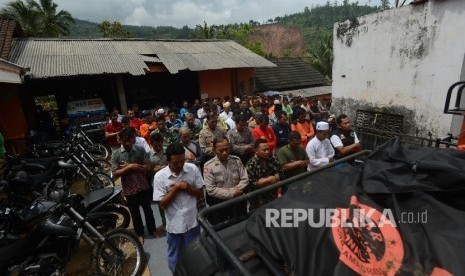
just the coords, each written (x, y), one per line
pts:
(227, 113)
(344, 138)
(319, 149)
(176, 188)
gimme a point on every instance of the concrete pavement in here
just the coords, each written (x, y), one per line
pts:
(156, 249)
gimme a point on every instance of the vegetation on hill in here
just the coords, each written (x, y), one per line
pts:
(306, 34)
(87, 29)
(315, 22)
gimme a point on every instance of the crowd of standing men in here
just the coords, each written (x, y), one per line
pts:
(211, 152)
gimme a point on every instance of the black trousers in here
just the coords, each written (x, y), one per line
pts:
(144, 199)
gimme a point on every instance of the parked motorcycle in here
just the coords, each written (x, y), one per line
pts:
(57, 229)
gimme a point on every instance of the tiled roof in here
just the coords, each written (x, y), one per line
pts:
(70, 57)
(8, 29)
(289, 74)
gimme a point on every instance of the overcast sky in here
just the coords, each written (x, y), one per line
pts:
(178, 13)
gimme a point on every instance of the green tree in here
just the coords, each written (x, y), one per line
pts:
(39, 19)
(113, 30)
(237, 32)
(205, 31)
(321, 56)
(256, 47)
(385, 4)
(24, 13)
(53, 23)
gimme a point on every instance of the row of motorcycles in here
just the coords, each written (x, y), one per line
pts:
(42, 224)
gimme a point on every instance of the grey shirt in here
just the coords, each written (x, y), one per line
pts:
(240, 139)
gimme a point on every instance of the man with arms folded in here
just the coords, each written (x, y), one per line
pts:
(225, 178)
(176, 188)
(344, 139)
(319, 149)
(263, 170)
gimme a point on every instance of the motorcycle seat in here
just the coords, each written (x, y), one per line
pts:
(95, 197)
(53, 145)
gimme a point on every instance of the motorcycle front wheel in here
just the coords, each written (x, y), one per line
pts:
(99, 181)
(99, 151)
(124, 217)
(104, 166)
(120, 254)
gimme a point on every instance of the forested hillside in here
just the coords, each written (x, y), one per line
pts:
(313, 21)
(86, 29)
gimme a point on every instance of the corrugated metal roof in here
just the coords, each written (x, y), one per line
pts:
(309, 92)
(61, 57)
(289, 74)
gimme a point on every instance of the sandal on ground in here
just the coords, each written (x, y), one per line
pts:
(159, 234)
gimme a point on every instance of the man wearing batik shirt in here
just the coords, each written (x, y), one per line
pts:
(263, 171)
(319, 149)
(131, 162)
(141, 142)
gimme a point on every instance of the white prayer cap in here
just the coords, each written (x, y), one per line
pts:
(161, 111)
(237, 100)
(276, 102)
(322, 126)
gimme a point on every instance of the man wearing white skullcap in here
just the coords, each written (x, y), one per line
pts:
(319, 149)
(227, 113)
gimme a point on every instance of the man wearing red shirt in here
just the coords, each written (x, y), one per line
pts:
(265, 132)
(111, 131)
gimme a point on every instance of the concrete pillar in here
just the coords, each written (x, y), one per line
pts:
(121, 95)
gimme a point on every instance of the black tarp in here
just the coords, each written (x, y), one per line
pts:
(420, 192)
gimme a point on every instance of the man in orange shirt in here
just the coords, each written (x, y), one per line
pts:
(264, 131)
(134, 121)
(147, 127)
(303, 126)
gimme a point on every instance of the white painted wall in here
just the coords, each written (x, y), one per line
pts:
(404, 58)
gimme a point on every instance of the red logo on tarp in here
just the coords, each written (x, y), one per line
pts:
(371, 249)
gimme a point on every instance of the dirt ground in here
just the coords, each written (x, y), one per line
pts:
(79, 265)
